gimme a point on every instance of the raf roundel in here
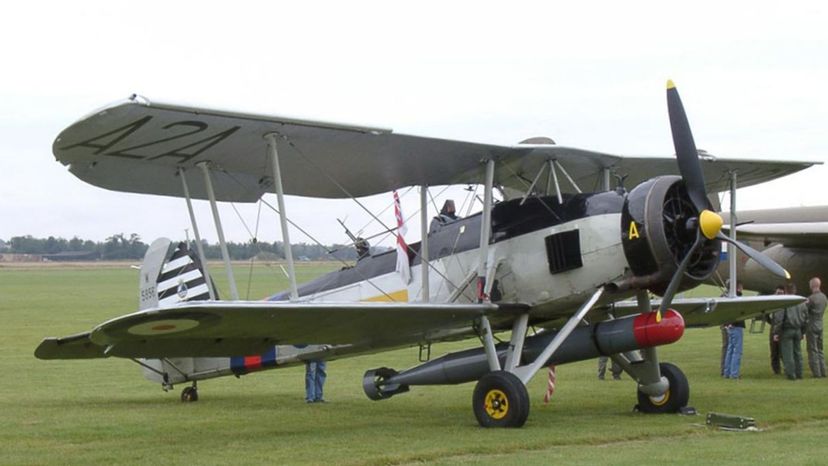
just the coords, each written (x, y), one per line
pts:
(182, 290)
(160, 327)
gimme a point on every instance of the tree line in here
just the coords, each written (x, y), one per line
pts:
(120, 246)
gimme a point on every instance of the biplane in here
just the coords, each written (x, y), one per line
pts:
(549, 255)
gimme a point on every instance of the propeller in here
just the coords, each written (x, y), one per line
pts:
(686, 153)
(707, 224)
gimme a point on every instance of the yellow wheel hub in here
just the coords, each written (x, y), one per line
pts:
(660, 400)
(496, 404)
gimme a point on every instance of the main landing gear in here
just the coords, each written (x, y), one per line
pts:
(672, 400)
(500, 400)
(502, 371)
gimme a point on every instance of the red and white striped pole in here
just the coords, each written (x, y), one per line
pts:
(550, 384)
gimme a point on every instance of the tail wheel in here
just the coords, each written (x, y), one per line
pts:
(676, 396)
(500, 400)
(189, 394)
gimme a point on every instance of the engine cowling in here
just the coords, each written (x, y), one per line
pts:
(657, 231)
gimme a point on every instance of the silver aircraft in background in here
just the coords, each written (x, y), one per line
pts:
(794, 237)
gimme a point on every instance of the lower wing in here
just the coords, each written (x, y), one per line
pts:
(706, 312)
(217, 328)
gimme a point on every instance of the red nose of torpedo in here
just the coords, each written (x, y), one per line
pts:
(649, 333)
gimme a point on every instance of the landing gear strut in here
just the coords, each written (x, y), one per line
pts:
(190, 394)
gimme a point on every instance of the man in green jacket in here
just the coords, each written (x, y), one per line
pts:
(792, 321)
(813, 335)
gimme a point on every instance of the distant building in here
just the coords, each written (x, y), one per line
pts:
(14, 257)
(69, 256)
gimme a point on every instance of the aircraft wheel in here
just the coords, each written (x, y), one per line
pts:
(500, 400)
(676, 397)
(189, 394)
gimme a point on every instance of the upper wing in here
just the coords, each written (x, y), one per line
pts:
(219, 328)
(586, 168)
(705, 312)
(137, 146)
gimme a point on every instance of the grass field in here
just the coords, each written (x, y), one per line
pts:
(94, 412)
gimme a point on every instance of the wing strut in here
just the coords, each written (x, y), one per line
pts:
(532, 186)
(485, 231)
(605, 179)
(569, 178)
(482, 267)
(424, 243)
(554, 174)
(208, 183)
(199, 246)
(280, 198)
(527, 372)
(731, 249)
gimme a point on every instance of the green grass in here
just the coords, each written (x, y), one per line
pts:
(93, 412)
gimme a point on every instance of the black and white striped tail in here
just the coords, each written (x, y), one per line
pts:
(182, 278)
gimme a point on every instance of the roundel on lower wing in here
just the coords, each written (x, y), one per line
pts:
(162, 327)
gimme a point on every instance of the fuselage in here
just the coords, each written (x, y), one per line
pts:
(548, 255)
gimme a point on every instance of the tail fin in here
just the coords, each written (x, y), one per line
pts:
(171, 275)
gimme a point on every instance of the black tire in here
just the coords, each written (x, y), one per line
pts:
(189, 394)
(676, 397)
(500, 400)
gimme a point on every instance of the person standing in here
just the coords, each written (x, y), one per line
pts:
(723, 329)
(315, 376)
(773, 335)
(793, 322)
(732, 339)
(733, 353)
(602, 368)
(813, 335)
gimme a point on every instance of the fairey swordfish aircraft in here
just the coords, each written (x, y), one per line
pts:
(548, 256)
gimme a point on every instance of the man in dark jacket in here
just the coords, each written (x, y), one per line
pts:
(813, 336)
(793, 320)
(773, 336)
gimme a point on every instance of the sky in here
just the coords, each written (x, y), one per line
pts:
(587, 74)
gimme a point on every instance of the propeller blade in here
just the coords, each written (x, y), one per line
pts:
(688, 157)
(667, 299)
(762, 259)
